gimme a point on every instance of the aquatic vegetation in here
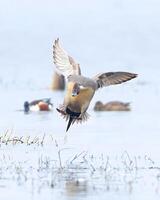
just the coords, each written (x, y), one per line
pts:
(73, 173)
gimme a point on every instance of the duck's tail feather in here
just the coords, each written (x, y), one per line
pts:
(73, 117)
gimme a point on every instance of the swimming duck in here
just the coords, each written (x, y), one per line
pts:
(80, 89)
(112, 106)
(38, 105)
(58, 82)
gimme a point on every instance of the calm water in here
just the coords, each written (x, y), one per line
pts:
(101, 36)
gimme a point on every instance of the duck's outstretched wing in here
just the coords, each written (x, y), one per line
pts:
(65, 64)
(112, 78)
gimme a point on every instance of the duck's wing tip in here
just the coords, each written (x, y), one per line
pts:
(113, 78)
(65, 64)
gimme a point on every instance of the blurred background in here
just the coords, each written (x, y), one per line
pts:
(102, 36)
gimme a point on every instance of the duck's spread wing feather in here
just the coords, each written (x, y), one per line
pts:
(112, 78)
(65, 64)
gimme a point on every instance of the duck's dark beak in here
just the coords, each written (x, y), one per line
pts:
(69, 123)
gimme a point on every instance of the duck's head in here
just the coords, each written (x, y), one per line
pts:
(75, 88)
(26, 106)
(98, 106)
